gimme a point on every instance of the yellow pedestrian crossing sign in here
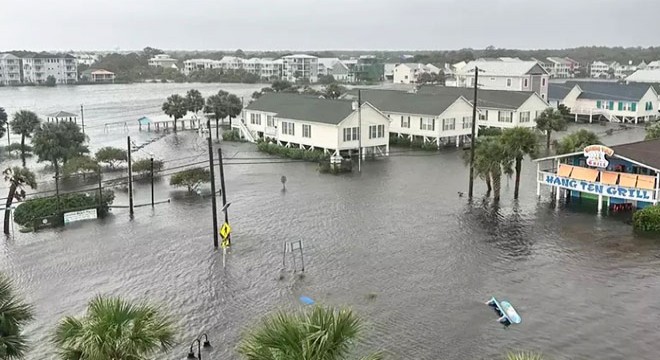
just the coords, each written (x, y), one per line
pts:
(225, 230)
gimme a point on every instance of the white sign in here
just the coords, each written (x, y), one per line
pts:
(88, 214)
(595, 155)
(614, 191)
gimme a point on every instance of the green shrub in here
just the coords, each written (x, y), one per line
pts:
(142, 168)
(416, 143)
(191, 178)
(34, 209)
(232, 135)
(292, 153)
(490, 131)
(523, 356)
(647, 219)
(80, 165)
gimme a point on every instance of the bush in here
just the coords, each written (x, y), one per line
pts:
(80, 165)
(647, 219)
(231, 135)
(490, 131)
(417, 143)
(190, 178)
(34, 209)
(292, 153)
(111, 155)
(14, 149)
(142, 167)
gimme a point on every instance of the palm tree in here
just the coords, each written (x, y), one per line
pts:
(216, 105)
(523, 356)
(3, 121)
(24, 124)
(14, 314)
(234, 107)
(490, 161)
(17, 177)
(577, 141)
(114, 329)
(320, 333)
(550, 120)
(194, 101)
(519, 142)
(175, 107)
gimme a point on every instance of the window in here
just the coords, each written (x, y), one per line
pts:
(525, 82)
(427, 124)
(483, 115)
(648, 105)
(255, 119)
(448, 124)
(543, 82)
(633, 106)
(508, 82)
(405, 123)
(270, 121)
(356, 133)
(351, 134)
(599, 104)
(610, 105)
(467, 122)
(376, 131)
(524, 117)
(288, 128)
(307, 131)
(505, 116)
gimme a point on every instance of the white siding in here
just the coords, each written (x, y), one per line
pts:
(322, 135)
(370, 117)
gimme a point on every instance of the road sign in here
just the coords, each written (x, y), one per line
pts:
(225, 243)
(225, 230)
(88, 214)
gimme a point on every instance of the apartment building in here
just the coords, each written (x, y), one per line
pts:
(300, 66)
(192, 65)
(163, 60)
(505, 75)
(271, 69)
(37, 68)
(598, 69)
(10, 69)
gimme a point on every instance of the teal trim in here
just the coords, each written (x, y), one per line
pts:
(633, 106)
(620, 105)
(611, 105)
(598, 104)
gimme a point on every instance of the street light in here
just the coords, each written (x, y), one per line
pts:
(207, 346)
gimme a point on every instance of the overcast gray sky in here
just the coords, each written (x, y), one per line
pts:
(325, 24)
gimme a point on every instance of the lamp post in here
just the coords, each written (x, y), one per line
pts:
(206, 345)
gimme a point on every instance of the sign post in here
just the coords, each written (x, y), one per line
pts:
(225, 231)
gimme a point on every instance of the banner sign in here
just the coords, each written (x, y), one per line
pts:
(595, 155)
(615, 191)
(88, 214)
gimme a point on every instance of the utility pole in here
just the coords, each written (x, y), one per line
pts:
(152, 181)
(82, 119)
(223, 190)
(359, 130)
(130, 178)
(57, 188)
(100, 192)
(8, 132)
(214, 205)
(474, 128)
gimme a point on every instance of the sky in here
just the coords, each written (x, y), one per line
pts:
(325, 24)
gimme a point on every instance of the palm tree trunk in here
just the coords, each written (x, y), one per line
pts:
(217, 130)
(497, 183)
(10, 198)
(230, 123)
(175, 121)
(517, 185)
(23, 149)
(547, 141)
(489, 186)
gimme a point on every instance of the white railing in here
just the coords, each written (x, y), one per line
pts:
(595, 111)
(247, 134)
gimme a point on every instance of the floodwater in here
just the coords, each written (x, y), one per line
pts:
(396, 243)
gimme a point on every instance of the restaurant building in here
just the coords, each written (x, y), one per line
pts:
(620, 177)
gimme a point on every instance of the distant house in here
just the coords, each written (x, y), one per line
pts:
(408, 73)
(98, 76)
(628, 103)
(599, 69)
(309, 122)
(300, 66)
(334, 67)
(644, 76)
(497, 108)
(62, 116)
(10, 69)
(439, 120)
(505, 75)
(164, 61)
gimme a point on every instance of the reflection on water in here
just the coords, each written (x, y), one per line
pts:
(395, 242)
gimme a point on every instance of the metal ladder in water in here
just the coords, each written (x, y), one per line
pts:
(294, 248)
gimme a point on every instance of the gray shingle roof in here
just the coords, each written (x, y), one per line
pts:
(303, 107)
(646, 152)
(406, 103)
(559, 91)
(496, 99)
(598, 90)
(62, 114)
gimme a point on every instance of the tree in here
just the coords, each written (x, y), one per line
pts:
(17, 178)
(194, 101)
(175, 107)
(234, 106)
(239, 53)
(82, 165)
(112, 156)
(216, 105)
(523, 356)
(14, 315)
(142, 167)
(577, 141)
(114, 328)
(281, 86)
(51, 81)
(333, 91)
(24, 124)
(3, 122)
(550, 120)
(519, 142)
(564, 110)
(490, 161)
(319, 333)
(653, 131)
(326, 79)
(190, 178)
(58, 142)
